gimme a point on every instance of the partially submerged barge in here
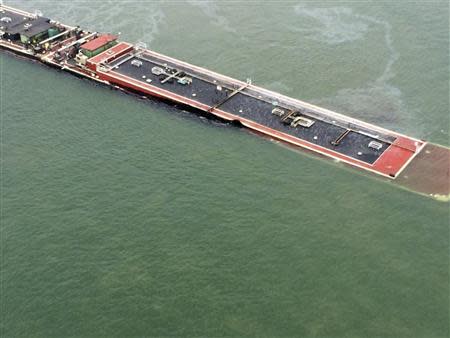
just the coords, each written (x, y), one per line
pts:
(105, 59)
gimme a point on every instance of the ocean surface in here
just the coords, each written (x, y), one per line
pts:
(123, 217)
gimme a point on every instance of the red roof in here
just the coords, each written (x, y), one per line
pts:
(98, 42)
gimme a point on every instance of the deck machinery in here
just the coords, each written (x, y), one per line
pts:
(411, 162)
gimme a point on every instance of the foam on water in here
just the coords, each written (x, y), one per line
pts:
(112, 19)
(211, 10)
(333, 25)
(380, 104)
(153, 23)
(378, 101)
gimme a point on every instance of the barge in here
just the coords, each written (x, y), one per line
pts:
(412, 162)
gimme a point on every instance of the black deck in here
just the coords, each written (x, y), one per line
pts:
(13, 24)
(16, 19)
(257, 107)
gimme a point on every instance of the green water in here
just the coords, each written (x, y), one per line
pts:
(130, 218)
